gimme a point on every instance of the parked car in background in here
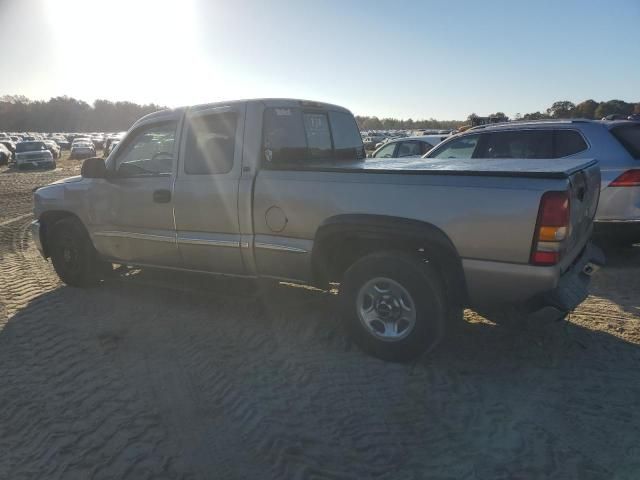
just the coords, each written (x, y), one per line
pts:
(5, 154)
(241, 188)
(53, 148)
(634, 116)
(98, 141)
(10, 144)
(33, 154)
(82, 149)
(62, 142)
(408, 147)
(615, 144)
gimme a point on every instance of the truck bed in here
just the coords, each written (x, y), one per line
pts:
(494, 167)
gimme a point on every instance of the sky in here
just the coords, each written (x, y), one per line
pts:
(403, 59)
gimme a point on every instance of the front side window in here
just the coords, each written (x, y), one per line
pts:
(519, 144)
(463, 147)
(386, 151)
(149, 152)
(210, 144)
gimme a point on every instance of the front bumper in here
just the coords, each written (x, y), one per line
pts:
(35, 163)
(35, 234)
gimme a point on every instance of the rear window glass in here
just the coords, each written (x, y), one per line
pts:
(210, 145)
(316, 127)
(629, 137)
(568, 142)
(347, 142)
(29, 146)
(294, 138)
(519, 144)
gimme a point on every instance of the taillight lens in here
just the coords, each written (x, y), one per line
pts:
(552, 228)
(630, 178)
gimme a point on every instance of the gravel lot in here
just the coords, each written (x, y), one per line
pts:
(158, 375)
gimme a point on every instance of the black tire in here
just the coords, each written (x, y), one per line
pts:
(74, 258)
(419, 280)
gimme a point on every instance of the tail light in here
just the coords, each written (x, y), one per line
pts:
(630, 178)
(552, 228)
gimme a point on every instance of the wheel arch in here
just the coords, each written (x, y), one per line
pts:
(47, 220)
(342, 239)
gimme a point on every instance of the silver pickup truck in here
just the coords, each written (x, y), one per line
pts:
(282, 189)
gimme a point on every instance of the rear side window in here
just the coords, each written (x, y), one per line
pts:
(210, 144)
(629, 136)
(295, 138)
(568, 142)
(519, 144)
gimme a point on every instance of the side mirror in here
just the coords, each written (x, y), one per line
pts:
(94, 167)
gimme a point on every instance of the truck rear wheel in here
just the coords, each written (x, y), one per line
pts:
(74, 258)
(394, 305)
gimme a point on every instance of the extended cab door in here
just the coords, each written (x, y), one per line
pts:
(132, 210)
(206, 190)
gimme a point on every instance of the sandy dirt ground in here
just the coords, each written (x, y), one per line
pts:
(157, 375)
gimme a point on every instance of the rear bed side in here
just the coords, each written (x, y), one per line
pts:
(490, 221)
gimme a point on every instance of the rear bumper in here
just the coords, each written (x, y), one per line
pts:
(494, 283)
(573, 287)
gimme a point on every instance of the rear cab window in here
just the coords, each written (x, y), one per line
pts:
(294, 137)
(629, 136)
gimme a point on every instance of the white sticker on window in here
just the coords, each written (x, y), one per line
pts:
(283, 112)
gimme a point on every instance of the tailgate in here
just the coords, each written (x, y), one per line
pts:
(584, 194)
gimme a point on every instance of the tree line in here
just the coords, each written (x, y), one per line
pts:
(67, 114)
(561, 109)
(587, 109)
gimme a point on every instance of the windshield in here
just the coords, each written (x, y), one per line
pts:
(30, 146)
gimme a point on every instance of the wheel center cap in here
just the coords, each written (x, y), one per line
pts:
(387, 307)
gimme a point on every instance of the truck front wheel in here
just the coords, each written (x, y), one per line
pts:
(394, 305)
(74, 258)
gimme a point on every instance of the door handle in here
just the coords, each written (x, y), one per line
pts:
(162, 196)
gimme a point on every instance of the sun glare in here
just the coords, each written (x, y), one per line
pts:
(129, 45)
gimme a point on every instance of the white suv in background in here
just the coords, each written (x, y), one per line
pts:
(615, 144)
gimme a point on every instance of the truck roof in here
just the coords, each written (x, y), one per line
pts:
(170, 113)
